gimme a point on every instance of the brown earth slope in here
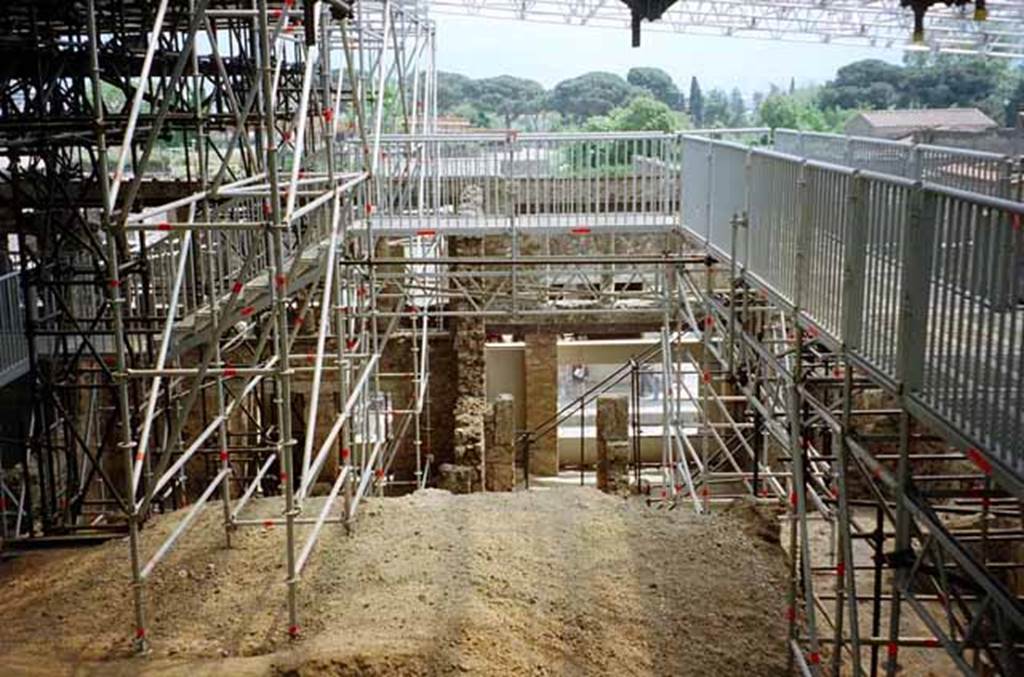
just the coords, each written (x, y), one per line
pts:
(548, 582)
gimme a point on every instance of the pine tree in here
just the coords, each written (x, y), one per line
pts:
(696, 103)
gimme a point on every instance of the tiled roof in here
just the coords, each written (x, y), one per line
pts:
(949, 118)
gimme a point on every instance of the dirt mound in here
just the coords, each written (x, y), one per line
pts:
(760, 521)
(547, 582)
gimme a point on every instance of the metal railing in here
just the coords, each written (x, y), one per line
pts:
(526, 180)
(992, 174)
(14, 361)
(924, 284)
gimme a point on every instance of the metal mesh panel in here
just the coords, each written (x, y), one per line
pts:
(13, 346)
(696, 185)
(827, 192)
(554, 181)
(826, 148)
(984, 173)
(974, 350)
(729, 197)
(958, 273)
(773, 222)
(886, 211)
(975, 171)
(878, 155)
(787, 141)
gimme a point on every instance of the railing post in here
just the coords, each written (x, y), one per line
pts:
(510, 198)
(854, 259)
(914, 169)
(798, 509)
(917, 244)
(710, 192)
(1004, 188)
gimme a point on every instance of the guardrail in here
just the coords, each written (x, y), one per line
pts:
(533, 180)
(980, 172)
(923, 284)
(14, 361)
(526, 180)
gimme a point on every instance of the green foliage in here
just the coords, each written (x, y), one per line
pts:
(696, 103)
(658, 84)
(924, 81)
(737, 109)
(648, 99)
(869, 83)
(453, 89)
(642, 114)
(590, 94)
(476, 117)
(716, 109)
(508, 97)
(780, 110)
(504, 97)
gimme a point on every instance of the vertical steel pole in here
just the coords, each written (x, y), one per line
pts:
(917, 245)
(854, 246)
(117, 301)
(280, 302)
(798, 507)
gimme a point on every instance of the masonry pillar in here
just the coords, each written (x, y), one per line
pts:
(612, 443)
(499, 445)
(542, 399)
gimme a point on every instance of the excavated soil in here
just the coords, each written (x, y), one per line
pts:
(547, 582)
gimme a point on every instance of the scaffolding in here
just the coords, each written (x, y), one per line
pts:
(229, 214)
(183, 178)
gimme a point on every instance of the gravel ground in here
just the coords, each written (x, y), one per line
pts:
(563, 581)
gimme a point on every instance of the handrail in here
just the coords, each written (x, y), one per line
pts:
(899, 271)
(981, 172)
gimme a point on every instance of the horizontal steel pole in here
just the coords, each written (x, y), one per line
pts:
(581, 260)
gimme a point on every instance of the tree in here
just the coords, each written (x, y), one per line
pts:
(868, 83)
(945, 81)
(716, 109)
(756, 100)
(696, 103)
(737, 109)
(452, 90)
(643, 114)
(590, 94)
(469, 111)
(508, 97)
(658, 84)
(779, 111)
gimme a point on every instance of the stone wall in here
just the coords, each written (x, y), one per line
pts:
(612, 444)
(542, 399)
(442, 390)
(499, 445)
(469, 337)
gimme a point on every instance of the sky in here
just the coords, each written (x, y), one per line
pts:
(551, 53)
